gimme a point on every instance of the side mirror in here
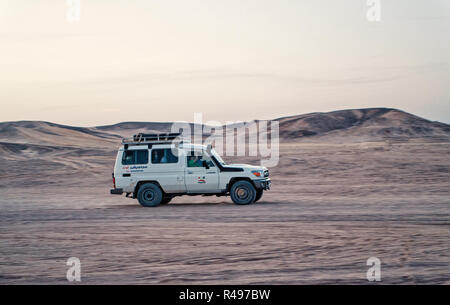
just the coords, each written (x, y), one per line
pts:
(205, 164)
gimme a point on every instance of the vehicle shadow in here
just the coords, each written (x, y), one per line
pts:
(136, 205)
(261, 203)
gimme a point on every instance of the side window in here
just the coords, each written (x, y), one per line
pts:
(142, 156)
(194, 161)
(128, 157)
(163, 156)
(197, 161)
(131, 157)
(210, 162)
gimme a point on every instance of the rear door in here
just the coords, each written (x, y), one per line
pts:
(131, 164)
(167, 167)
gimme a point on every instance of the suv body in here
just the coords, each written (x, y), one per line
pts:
(155, 171)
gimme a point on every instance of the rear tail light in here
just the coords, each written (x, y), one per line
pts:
(114, 180)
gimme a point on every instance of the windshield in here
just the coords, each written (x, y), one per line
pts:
(218, 157)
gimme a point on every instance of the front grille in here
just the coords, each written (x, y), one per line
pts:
(266, 173)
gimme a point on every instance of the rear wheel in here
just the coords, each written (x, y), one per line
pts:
(259, 194)
(149, 195)
(243, 192)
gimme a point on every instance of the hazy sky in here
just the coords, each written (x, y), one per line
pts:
(163, 60)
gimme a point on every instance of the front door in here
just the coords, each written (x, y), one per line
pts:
(201, 179)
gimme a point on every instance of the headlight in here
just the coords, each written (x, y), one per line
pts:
(258, 173)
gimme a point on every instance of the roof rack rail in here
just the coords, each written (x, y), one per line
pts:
(154, 138)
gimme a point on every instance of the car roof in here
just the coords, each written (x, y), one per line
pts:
(183, 146)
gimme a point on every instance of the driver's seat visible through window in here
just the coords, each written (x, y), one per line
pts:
(197, 161)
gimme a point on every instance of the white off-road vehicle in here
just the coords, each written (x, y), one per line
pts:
(154, 168)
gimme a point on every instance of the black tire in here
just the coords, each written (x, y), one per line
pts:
(259, 194)
(149, 195)
(243, 192)
(166, 200)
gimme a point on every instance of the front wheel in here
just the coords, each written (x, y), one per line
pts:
(243, 192)
(149, 195)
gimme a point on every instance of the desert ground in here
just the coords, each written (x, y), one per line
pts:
(331, 207)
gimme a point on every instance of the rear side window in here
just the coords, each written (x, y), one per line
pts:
(163, 156)
(131, 157)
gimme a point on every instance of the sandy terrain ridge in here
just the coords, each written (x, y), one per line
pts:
(333, 205)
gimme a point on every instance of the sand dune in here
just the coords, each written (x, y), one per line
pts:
(361, 124)
(45, 133)
(373, 124)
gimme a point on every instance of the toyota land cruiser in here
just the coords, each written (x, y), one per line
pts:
(154, 168)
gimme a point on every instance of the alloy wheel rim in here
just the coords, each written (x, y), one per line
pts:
(242, 193)
(149, 195)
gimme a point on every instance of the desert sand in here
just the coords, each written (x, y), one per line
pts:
(335, 202)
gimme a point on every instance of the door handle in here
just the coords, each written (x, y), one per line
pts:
(210, 172)
(190, 172)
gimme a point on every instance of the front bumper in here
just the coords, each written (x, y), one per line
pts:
(263, 184)
(116, 191)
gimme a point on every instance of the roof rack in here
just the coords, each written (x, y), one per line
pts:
(154, 138)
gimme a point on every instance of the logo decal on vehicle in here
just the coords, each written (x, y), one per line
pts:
(134, 168)
(138, 168)
(201, 180)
